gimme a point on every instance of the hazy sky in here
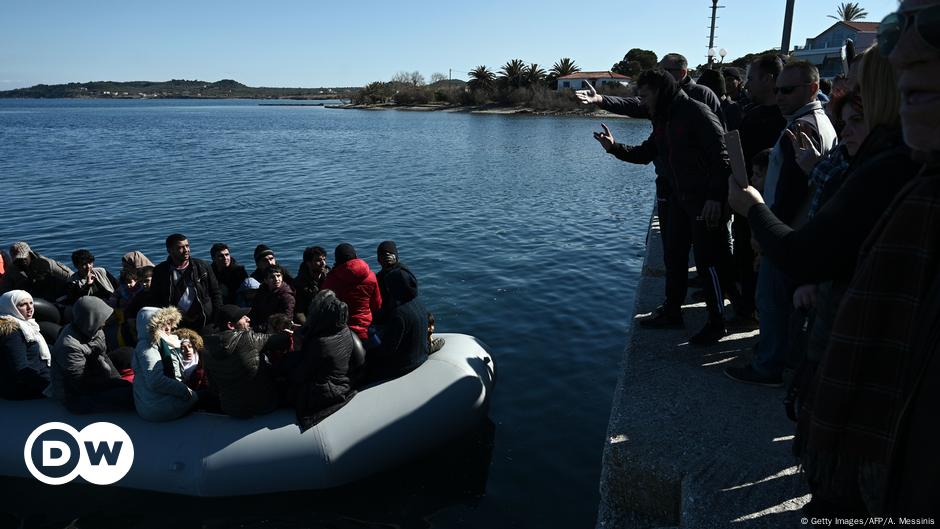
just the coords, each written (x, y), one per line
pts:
(292, 43)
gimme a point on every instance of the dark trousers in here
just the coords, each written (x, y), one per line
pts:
(744, 266)
(710, 247)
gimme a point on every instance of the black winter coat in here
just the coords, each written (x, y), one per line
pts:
(23, 374)
(238, 371)
(688, 148)
(208, 294)
(230, 280)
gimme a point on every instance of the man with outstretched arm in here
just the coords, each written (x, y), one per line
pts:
(687, 147)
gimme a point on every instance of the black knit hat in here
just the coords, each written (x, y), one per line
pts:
(387, 247)
(344, 252)
(262, 251)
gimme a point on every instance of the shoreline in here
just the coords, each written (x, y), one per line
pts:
(485, 110)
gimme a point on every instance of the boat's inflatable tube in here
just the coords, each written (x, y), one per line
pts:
(50, 332)
(46, 311)
(206, 454)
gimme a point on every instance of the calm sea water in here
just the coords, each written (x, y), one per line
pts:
(521, 231)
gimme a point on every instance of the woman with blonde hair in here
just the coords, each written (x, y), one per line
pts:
(159, 391)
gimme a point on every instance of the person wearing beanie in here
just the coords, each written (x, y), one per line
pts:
(41, 276)
(264, 258)
(355, 284)
(404, 343)
(387, 254)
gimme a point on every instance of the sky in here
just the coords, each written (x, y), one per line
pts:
(292, 43)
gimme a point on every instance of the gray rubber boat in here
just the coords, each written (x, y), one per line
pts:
(206, 454)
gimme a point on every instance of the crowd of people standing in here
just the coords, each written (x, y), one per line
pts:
(831, 247)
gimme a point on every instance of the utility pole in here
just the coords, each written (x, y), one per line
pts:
(787, 26)
(711, 36)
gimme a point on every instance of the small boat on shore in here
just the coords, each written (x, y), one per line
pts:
(213, 455)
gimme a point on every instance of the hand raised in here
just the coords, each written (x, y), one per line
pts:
(806, 153)
(588, 96)
(606, 139)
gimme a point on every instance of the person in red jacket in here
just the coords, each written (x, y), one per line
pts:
(355, 285)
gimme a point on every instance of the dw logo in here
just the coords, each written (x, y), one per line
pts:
(55, 453)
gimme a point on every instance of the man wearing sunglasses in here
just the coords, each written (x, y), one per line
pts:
(786, 193)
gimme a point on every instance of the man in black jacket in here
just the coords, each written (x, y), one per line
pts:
(186, 283)
(227, 271)
(678, 67)
(687, 146)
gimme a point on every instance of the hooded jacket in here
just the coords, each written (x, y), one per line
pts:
(404, 337)
(356, 285)
(80, 362)
(687, 147)
(237, 369)
(320, 382)
(157, 396)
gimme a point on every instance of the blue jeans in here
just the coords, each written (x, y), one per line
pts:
(775, 304)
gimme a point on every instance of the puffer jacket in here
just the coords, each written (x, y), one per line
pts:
(322, 378)
(23, 374)
(355, 284)
(237, 369)
(688, 148)
(158, 396)
(80, 362)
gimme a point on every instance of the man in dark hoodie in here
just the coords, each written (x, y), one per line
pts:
(687, 146)
(677, 67)
(355, 285)
(227, 271)
(404, 337)
(83, 376)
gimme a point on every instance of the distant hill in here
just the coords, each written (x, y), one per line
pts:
(174, 89)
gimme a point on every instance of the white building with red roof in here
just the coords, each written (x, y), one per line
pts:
(575, 81)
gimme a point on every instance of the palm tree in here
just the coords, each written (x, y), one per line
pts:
(513, 73)
(481, 78)
(562, 67)
(849, 12)
(534, 74)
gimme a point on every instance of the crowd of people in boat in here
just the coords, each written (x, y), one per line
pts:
(188, 334)
(831, 248)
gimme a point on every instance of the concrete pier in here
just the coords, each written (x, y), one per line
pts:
(687, 447)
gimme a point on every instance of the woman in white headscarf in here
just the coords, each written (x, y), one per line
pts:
(24, 354)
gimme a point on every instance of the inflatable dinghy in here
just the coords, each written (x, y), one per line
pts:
(211, 455)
